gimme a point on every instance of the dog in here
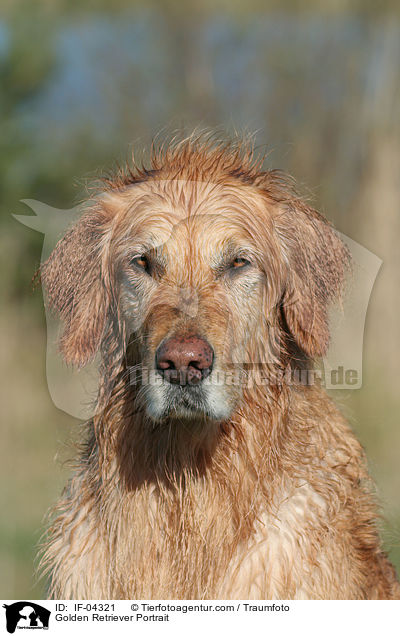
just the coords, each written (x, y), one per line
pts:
(190, 280)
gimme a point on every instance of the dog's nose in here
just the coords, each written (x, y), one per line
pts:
(184, 359)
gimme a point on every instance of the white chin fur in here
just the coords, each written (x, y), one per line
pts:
(162, 401)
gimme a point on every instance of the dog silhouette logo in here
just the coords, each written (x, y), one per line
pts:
(26, 615)
(74, 390)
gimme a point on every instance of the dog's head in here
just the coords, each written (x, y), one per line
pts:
(200, 267)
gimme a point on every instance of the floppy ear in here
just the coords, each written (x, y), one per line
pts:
(317, 262)
(75, 282)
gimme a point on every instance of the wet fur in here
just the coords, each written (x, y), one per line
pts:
(272, 501)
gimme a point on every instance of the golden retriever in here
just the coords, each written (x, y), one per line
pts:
(210, 470)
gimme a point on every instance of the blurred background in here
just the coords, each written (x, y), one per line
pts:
(82, 83)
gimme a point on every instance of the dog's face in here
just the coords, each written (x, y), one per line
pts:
(194, 291)
(194, 281)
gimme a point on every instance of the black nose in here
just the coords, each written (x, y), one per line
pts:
(184, 359)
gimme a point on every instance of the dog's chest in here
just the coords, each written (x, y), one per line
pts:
(277, 559)
(273, 562)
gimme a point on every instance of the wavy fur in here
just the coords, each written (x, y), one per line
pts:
(272, 500)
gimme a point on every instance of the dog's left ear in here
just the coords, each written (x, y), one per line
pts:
(75, 281)
(317, 261)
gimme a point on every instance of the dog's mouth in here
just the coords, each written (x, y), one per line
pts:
(186, 401)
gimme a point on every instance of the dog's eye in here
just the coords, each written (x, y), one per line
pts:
(239, 262)
(141, 262)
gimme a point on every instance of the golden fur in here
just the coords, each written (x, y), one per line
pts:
(262, 492)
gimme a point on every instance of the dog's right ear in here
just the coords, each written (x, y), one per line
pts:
(75, 280)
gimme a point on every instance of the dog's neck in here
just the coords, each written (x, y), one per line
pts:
(134, 450)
